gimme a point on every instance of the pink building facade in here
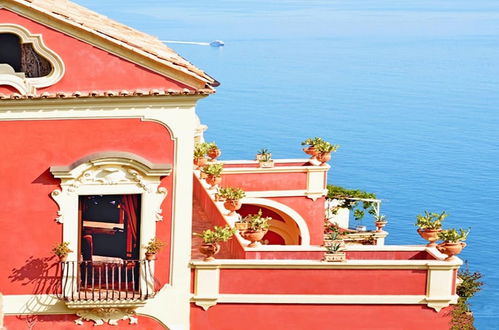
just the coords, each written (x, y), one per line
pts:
(97, 129)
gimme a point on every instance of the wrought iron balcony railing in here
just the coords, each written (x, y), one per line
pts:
(101, 282)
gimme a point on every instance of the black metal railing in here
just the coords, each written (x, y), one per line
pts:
(101, 281)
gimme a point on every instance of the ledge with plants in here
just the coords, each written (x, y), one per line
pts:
(232, 197)
(213, 174)
(319, 149)
(429, 225)
(453, 242)
(62, 250)
(153, 247)
(256, 226)
(212, 239)
(264, 158)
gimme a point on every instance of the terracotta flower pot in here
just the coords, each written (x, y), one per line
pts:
(200, 162)
(335, 257)
(380, 225)
(150, 256)
(451, 249)
(213, 180)
(209, 250)
(214, 153)
(253, 236)
(267, 164)
(430, 235)
(323, 157)
(232, 206)
(63, 258)
(310, 151)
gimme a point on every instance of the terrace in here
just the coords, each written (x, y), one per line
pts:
(274, 273)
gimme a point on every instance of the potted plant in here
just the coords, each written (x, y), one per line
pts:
(264, 158)
(258, 226)
(323, 151)
(153, 247)
(429, 225)
(380, 221)
(453, 241)
(311, 143)
(232, 197)
(213, 151)
(212, 238)
(264, 152)
(200, 150)
(62, 250)
(333, 236)
(334, 253)
(213, 174)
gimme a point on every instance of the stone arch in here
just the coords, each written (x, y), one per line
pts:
(287, 213)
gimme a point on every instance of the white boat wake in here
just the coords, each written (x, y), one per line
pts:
(215, 43)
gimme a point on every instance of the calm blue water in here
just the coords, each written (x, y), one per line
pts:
(410, 90)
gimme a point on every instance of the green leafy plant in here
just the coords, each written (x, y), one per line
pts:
(380, 218)
(214, 169)
(154, 246)
(462, 318)
(348, 195)
(334, 248)
(217, 234)
(453, 235)
(324, 147)
(257, 222)
(312, 141)
(210, 145)
(200, 150)
(265, 158)
(231, 193)
(263, 152)
(62, 249)
(430, 220)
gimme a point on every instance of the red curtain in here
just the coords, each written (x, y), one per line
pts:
(130, 206)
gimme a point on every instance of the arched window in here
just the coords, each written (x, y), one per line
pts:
(22, 57)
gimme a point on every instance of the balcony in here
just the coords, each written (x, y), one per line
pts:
(86, 284)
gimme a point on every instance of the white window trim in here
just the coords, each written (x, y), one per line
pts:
(29, 85)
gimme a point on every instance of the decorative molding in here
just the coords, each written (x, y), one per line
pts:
(439, 288)
(106, 315)
(36, 40)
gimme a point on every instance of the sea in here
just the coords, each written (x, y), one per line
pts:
(408, 89)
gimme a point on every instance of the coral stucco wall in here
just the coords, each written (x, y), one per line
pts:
(87, 67)
(308, 317)
(27, 212)
(324, 281)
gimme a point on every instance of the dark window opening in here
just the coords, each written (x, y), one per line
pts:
(10, 51)
(110, 227)
(22, 57)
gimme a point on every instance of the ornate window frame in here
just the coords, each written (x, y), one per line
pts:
(109, 173)
(29, 85)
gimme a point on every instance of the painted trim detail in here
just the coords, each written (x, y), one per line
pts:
(439, 287)
(30, 84)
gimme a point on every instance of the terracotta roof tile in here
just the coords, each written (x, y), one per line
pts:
(116, 32)
(107, 94)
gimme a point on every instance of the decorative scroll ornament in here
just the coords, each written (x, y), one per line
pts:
(106, 315)
(56, 195)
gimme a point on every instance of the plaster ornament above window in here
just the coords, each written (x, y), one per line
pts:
(25, 62)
